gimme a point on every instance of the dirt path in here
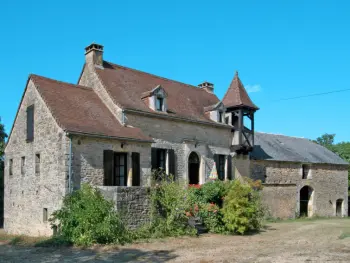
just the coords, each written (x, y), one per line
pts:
(308, 241)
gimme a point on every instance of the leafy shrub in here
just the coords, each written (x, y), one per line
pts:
(169, 202)
(242, 210)
(214, 191)
(205, 203)
(212, 218)
(87, 218)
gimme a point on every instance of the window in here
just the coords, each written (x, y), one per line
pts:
(120, 172)
(220, 161)
(221, 167)
(37, 164)
(30, 123)
(45, 215)
(11, 166)
(305, 171)
(220, 116)
(159, 103)
(135, 168)
(23, 164)
(227, 119)
(159, 160)
(114, 168)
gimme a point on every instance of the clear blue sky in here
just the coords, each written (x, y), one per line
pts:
(281, 49)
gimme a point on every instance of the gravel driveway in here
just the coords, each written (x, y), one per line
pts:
(298, 241)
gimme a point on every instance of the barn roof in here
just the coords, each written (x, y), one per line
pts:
(291, 149)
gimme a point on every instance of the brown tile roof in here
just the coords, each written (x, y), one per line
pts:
(78, 109)
(236, 95)
(126, 87)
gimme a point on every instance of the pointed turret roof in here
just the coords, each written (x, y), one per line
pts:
(236, 95)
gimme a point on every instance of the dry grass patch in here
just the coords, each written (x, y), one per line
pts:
(20, 240)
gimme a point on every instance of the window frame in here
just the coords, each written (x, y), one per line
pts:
(305, 171)
(118, 165)
(23, 164)
(159, 99)
(221, 167)
(45, 215)
(220, 116)
(161, 159)
(30, 123)
(37, 164)
(11, 167)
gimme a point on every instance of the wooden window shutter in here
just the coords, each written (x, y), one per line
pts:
(229, 167)
(30, 123)
(135, 169)
(108, 167)
(171, 153)
(154, 158)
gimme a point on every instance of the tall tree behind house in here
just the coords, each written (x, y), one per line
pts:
(3, 136)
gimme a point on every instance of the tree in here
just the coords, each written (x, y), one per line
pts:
(3, 136)
(326, 140)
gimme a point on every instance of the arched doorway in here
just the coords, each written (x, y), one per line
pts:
(306, 202)
(339, 207)
(193, 168)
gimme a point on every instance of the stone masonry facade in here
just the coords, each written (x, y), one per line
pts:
(27, 193)
(39, 173)
(133, 203)
(283, 181)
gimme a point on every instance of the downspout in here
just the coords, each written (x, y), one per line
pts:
(70, 166)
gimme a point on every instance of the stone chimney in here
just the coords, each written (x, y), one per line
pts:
(94, 55)
(209, 87)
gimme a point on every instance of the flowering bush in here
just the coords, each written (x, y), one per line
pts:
(212, 217)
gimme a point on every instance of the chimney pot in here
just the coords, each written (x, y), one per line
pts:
(94, 55)
(209, 87)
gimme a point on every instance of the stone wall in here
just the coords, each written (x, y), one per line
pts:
(87, 164)
(26, 195)
(329, 183)
(132, 202)
(280, 200)
(184, 138)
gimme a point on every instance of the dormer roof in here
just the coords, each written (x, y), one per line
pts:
(237, 96)
(158, 89)
(215, 106)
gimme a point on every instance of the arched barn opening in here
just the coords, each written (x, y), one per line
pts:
(339, 207)
(306, 202)
(193, 168)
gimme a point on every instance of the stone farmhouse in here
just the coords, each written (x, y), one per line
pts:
(117, 123)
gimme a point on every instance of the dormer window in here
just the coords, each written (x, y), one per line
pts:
(220, 116)
(159, 103)
(156, 99)
(216, 112)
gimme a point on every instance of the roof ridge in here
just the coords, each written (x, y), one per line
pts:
(154, 75)
(283, 135)
(61, 82)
